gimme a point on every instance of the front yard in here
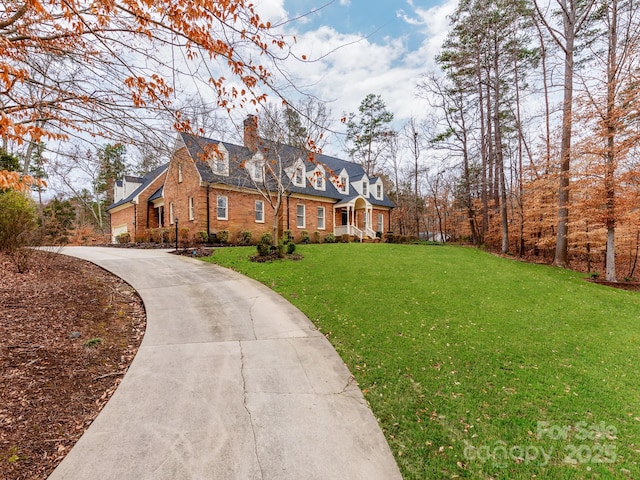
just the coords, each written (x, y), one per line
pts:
(476, 366)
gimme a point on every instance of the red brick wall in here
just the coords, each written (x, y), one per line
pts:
(311, 216)
(241, 213)
(145, 214)
(122, 217)
(178, 193)
(140, 217)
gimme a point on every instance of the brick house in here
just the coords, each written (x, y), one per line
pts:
(138, 204)
(211, 186)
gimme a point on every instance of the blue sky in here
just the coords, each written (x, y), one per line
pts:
(364, 46)
(377, 19)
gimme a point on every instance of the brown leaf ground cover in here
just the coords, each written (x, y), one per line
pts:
(68, 332)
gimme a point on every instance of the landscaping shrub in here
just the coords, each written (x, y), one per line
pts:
(17, 221)
(304, 236)
(287, 236)
(223, 236)
(244, 238)
(266, 238)
(291, 247)
(123, 238)
(329, 238)
(264, 249)
(316, 237)
(344, 238)
(204, 236)
(159, 235)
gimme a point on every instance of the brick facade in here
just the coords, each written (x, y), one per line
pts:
(137, 217)
(183, 183)
(192, 192)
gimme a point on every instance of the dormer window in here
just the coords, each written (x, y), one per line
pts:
(255, 167)
(317, 178)
(257, 172)
(379, 191)
(298, 176)
(343, 184)
(220, 165)
(365, 188)
(219, 161)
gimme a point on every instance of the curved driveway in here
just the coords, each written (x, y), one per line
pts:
(230, 382)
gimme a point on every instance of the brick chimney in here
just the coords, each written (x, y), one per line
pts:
(251, 139)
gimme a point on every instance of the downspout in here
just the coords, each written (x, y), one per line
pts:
(389, 220)
(135, 218)
(208, 214)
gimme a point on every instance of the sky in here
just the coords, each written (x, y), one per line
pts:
(357, 47)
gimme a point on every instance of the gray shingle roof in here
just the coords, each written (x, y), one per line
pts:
(146, 180)
(239, 177)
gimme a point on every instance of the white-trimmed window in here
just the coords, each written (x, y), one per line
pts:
(321, 223)
(258, 171)
(259, 211)
(380, 222)
(379, 191)
(220, 165)
(298, 178)
(223, 213)
(300, 216)
(319, 181)
(365, 188)
(343, 184)
(219, 161)
(179, 172)
(171, 213)
(192, 213)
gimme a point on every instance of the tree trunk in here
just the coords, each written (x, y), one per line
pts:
(562, 245)
(612, 66)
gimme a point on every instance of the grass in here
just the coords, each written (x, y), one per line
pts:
(476, 366)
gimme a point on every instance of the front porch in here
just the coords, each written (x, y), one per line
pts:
(355, 215)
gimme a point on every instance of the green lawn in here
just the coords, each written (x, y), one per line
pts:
(476, 366)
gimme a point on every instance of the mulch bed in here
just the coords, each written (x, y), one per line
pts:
(68, 332)
(633, 286)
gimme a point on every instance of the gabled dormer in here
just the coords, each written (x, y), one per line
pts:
(362, 186)
(318, 178)
(341, 181)
(125, 187)
(376, 188)
(219, 161)
(297, 173)
(255, 167)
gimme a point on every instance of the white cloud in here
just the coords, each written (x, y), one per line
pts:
(272, 10)
(343, 68)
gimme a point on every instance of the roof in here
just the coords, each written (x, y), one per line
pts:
(144, 181)
(239, 177)
(157, 194)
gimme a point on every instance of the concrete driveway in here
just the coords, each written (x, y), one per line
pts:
(231, 382)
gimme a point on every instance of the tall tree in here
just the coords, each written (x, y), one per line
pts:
(369, 133)
(610, 102)
(574, 15)
(112, 167)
